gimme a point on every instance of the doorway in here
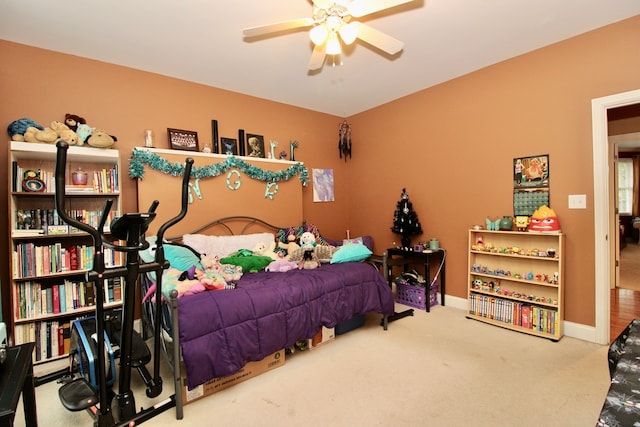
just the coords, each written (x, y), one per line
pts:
(627, 147)
(603, 208)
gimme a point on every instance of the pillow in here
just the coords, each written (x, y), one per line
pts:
(251, 263)
(223, 246)
(349, 253)
(181, 257)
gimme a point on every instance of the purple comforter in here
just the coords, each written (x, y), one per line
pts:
(220, 331)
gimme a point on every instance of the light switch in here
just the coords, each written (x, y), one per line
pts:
(577, 201)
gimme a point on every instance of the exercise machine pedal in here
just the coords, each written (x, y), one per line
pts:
(78, 395)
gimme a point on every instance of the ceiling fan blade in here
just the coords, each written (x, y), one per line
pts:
(277, 27)
(317, 57)
(378, 39)
(323, 4)
(362, 7)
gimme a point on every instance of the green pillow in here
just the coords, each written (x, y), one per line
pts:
(350, 253)
(248, 263)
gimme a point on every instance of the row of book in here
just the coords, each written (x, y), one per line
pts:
(104, 180)
(52, 337)
(516, 313)
(34, 299)
(31, 260)
(43, 219)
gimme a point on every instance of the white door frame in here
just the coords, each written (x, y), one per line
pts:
(599, 107)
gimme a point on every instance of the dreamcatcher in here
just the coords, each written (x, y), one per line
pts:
(344, 142)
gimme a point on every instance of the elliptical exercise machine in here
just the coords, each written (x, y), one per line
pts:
(91, 350)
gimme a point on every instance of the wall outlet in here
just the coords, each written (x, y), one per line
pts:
(577, 201)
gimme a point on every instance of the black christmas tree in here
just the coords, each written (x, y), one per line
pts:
(405, 220)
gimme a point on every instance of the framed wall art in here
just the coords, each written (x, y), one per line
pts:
(530, 184)
(255, 145)
(229, 146)
(531, 172)
(180, 139)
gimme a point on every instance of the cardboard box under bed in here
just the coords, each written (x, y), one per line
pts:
(250, 370)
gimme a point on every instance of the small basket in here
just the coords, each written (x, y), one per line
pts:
(415, 296)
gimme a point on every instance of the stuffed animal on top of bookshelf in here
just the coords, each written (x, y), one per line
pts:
(101, 139)
(17, 128)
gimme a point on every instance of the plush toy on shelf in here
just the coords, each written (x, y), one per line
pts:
(46, 135)
(17, 128)
(101, 139)
(65, 134)
(73, 121)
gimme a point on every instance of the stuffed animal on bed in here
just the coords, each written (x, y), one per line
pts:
(262, 249)
(291, 244)
(309, 258)
(321, 252)
(217, 276)
(171, 279)
(282, 265)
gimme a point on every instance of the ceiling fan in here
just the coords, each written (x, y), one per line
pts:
(331, 22)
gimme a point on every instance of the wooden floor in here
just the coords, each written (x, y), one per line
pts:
(625, 306)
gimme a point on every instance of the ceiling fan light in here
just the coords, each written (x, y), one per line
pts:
(318, 34)
(348, 33)
(333, 45)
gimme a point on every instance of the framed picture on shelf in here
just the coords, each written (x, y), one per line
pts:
(183, 139)
(255, 145)
(229, 146)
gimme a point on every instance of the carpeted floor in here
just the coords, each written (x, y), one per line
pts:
(630, 267)
(432, 369)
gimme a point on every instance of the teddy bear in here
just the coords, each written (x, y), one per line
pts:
(261, 249)
(73, 121)
(65, 134)
(46, 135)
(79, 126)
(100, 139)
(291, 244)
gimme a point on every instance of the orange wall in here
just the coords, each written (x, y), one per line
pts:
(451, 145)
(44, 85)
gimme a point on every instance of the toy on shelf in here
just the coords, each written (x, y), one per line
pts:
(522, 222)
(544, 220)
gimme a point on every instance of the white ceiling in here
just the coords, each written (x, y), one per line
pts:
(201, 41)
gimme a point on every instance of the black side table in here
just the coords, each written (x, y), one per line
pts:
(396, 256)
(16, 376)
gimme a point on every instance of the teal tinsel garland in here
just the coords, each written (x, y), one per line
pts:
(140, 158)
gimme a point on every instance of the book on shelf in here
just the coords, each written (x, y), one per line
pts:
(55, 290)
(70, 189)
(33, 232)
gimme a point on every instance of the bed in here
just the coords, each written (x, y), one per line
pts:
(215, 333)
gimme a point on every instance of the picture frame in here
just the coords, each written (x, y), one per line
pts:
(180, 139)
(229, 146)
(531, 172)
(531, 187)
(255, 145)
